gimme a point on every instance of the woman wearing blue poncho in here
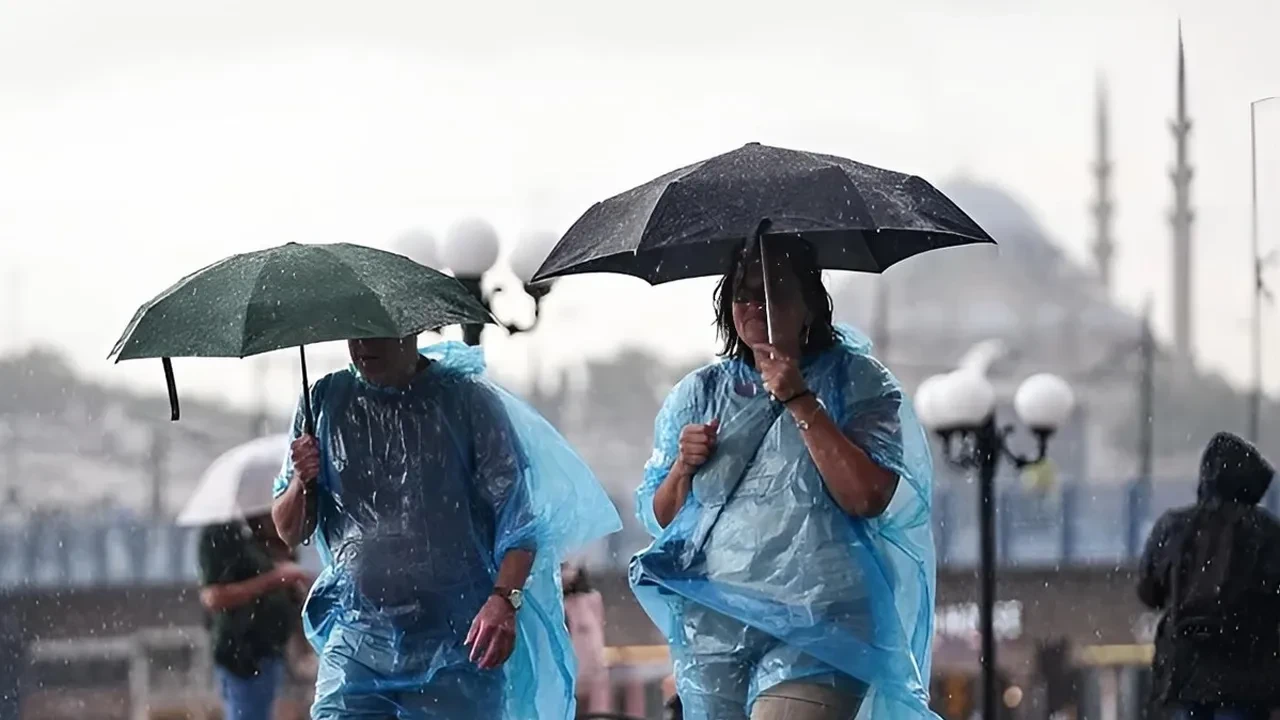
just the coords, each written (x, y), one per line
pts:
(789, 493)
(442, 507)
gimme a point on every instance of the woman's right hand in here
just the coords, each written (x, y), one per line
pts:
(697, 443)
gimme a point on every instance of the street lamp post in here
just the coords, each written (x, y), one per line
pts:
(960, 407)
(470, 250)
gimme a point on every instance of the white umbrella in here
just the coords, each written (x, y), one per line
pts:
(238, 484)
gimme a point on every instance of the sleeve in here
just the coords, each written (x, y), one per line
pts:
(872, 413)
(501, 472)
(1269, 555)
(219, 555)
(1153, 568)
(683, 406)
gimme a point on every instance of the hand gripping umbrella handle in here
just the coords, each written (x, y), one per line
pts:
(306, 393)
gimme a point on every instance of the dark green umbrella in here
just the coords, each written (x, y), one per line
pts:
(293, 295)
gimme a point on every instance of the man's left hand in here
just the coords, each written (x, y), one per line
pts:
(492, 637)
(779, 373)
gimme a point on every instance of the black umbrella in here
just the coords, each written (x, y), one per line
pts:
(687, 223)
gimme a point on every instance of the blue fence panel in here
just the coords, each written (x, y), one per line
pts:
(962, 518)
(1169, 494)
(1100, 528)
(11, 549)
(1076, 523)
(1032, 529)
(943, 523)
(118, 568)
(87, 555)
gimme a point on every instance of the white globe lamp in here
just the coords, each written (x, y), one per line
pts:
(965, 400)
(419, 246)
(470, 249)
(926, 400)
(530, 253)
(1044, 402)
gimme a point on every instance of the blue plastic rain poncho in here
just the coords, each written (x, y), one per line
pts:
(422, 492)
(761, 578)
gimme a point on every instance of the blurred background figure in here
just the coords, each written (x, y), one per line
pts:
(300, 659)
(1214, 570)
(584, 615)
(251, 586)
(253, 595)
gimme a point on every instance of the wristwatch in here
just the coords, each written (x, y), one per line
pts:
(514, 596)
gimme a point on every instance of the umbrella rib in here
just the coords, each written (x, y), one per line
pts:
(258, 286)
(357, 273)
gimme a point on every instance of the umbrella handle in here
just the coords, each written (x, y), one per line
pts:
(765, 276)
(306, 393)
(310, 426)
(172, 386)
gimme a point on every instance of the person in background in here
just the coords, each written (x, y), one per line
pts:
(248, 595)
(584, 616)
(300, 659)
(1214, 570)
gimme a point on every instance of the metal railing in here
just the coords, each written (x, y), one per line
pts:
(1075, 524)
(189, 686)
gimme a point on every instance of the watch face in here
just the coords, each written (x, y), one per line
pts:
(515, 597)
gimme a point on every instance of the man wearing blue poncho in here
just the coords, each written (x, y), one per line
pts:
(442, 507)
(789, 496)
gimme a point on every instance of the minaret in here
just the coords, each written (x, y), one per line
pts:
(1103, 208)
(1182, 216)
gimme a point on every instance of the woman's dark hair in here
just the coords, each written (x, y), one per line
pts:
(581, 584)
(804, 263)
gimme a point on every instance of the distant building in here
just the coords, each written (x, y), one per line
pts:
(1051, 314)
(1181, 218)
(1103, 208)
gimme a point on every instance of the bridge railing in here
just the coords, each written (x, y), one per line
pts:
(150, 682)
(1073, 524)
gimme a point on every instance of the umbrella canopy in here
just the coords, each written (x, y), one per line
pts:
(687, 223)
(294, 295)
(238, 484)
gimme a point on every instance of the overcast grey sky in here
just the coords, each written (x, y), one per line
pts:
(140, 139)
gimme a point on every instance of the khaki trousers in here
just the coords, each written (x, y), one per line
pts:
(805, 701)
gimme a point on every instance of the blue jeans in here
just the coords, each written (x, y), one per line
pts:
(1209, 712)
(250, 698)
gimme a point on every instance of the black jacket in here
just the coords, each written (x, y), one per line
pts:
(1214, 570)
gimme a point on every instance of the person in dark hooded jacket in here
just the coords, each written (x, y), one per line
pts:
(1214, 570)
